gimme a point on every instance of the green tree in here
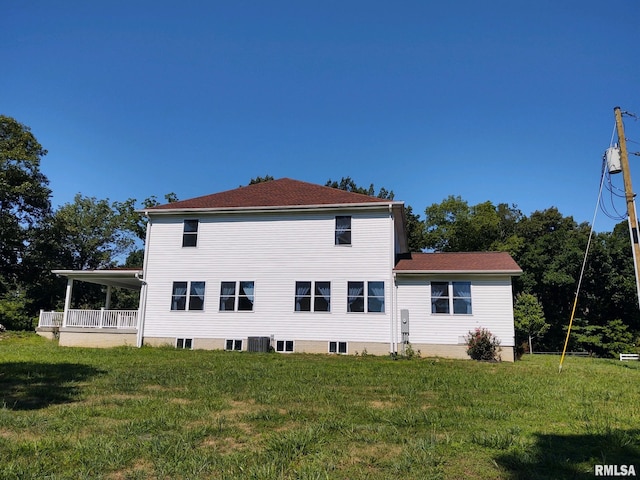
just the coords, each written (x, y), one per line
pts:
(258, 179)
(455, 226)
(529, 318)
(24, 196)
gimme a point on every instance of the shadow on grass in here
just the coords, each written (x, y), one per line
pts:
(573, 456)
(32, 385)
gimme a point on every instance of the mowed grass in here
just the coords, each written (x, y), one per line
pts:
(161, 413)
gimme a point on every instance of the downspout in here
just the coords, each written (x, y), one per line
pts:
(393, 325)
(142, 305)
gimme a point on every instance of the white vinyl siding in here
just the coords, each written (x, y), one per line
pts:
(274, 251)
(492, 308)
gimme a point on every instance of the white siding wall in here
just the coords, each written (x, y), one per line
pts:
(274, 251)
(492, 307)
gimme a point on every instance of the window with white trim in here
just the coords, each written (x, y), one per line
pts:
(184, 343)
(313, 296)
(343, 230)
(284, 346)
(451, 297)
(236, 296)
(365, 297)
(338, 347)
(187, 296)
(233, 345)
(190, 233)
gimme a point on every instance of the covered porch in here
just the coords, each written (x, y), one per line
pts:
(94, 328)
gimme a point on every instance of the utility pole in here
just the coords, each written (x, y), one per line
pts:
(629, 196)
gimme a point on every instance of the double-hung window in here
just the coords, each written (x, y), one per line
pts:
(236, 296)
(365, 297)
(187, 296)
(451, 297)
(313, 296)
(343, 230)
(190, 233)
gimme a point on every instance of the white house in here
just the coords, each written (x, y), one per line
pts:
(296, 267)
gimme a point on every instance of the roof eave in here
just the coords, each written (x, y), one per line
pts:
(459, 272)
(267, 209)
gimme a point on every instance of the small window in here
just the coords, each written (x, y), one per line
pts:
(190, 233)
(233, 345)
(303, 297)
(343, 230)
(439, 297)
(236, 296)
(355, 299)
(284, 346)
(184, 343)
(196, 296)
(245, 296)
(338, 347)
(461, 298)
(228, 296)
(179, 296)
(375, 297)
(313, 296)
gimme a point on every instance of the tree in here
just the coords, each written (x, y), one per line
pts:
(24, 196)
(454, 226)
(266, 178)
(347, 184)
(529, 318)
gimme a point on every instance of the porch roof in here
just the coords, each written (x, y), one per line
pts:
(130, 279)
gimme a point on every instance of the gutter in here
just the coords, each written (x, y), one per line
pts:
(514, 273)
(275, 209)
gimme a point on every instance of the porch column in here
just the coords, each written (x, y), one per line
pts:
(67, 301)
(107, 302)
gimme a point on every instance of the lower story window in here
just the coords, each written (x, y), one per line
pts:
(233, 345)
(236, 296)
(313, 296)
(284, 346)
(338, 347)
(451, 297)
(187, 296)
(186, 343)
(365, 297)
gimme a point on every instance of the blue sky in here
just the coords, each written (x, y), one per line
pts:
(502, 100)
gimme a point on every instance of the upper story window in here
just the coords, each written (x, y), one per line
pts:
(236, 296)
(187, 296)
(448, 297)
(369, 299)
(313, 296)
(343, 230)
(190, 233)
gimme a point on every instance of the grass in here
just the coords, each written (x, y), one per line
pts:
(161, 413)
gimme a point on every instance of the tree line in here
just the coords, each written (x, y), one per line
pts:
(91, 233)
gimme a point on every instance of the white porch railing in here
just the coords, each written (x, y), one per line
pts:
(50, 319)
(91, 319)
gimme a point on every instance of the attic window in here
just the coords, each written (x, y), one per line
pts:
(343, 230)
(190, 233)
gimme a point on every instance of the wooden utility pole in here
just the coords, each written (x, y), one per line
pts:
(629, 196)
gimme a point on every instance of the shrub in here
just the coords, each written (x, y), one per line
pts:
(482, 345)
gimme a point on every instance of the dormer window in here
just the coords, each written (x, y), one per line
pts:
(190, 233)
(343, 230)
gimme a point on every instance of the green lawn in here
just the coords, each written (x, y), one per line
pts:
(161, 413)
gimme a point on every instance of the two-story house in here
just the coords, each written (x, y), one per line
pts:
(299, 267)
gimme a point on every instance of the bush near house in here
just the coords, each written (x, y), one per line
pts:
(482, 345)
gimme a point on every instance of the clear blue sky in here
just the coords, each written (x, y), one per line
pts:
(503, 100)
